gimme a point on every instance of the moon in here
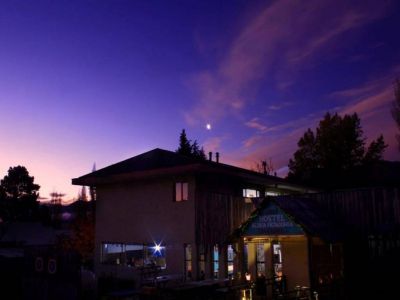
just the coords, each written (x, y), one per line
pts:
(208, 126)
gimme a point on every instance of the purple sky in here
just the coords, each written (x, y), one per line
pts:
(101, 81)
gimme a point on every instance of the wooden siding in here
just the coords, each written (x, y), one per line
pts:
(362, 211)
(220, 209)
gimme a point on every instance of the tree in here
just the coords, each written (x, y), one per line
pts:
(197, 152)
(375, 150)
(396, 107)
(338, 146)
(339, 143)
(188, 149)
(305, 157)
(265, 167)
(20, 194)
(82, 195)
(185, 148)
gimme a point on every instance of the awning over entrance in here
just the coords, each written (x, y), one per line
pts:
(271, 220)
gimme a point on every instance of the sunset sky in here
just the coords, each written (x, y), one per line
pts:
(85, 82)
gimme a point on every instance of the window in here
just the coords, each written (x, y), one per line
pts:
(260, 259)
(249, 193)
(181, 191)
(215, 261)
(188, 261)
(271, 194)
(230, 257)
(155, 255)
(133, 255)
(111, 253)
(202, 261)
(277, 258)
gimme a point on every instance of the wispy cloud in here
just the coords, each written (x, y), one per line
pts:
(213, 144)
(279, 106)
(253, 140)
(371, 101)
(368, 98)
(274, 42)
(256, 124)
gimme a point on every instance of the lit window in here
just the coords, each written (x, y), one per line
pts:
(277, 258)
(133, 255)
(181, 191)
(188, 261)
(249, 193)
(230, 257)
(260, 259)
(272, 194)
(216, 261)
(111, 253)
(202, 261)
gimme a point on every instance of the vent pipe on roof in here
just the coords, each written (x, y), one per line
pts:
(210, 156)
(217, 157)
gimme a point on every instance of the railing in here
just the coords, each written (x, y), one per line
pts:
(276, 287)
(299, 293)
(148, 274)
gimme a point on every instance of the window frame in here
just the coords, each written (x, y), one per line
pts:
(188, 260)
(148, 254)
(179, 190)
(215, 257)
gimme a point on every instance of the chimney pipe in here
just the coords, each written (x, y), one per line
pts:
(210, 156)
(217, 157)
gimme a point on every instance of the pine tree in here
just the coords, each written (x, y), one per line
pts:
(185, 148)
(18, 195)
(396, 108)
(338, 146)
(190, 149)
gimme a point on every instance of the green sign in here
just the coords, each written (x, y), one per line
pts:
(272, 221)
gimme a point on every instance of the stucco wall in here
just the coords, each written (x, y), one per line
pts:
(145, 212)
(295, 261)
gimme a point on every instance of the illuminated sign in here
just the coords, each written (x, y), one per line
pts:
(272, 221)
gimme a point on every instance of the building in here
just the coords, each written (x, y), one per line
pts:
(175, 212)
(293, 242)
(32, 265)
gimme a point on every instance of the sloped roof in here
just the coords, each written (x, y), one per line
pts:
(28, 234)
(315, 220)
(303, 212)
(154, 159)
(160, 160)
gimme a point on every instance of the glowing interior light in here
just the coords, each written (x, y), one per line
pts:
(248, 276)
(157, 248)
